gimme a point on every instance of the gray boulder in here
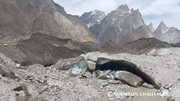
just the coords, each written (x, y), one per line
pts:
(128, 78)
(91, 65)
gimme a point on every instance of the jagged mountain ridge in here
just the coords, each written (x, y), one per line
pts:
(93, 17)
(121, 25)
(167, 34)
(25, 17)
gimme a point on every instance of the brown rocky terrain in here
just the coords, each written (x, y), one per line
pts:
(25, 17)
(47, 50)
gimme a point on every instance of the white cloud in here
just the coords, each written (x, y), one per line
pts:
(152, 10)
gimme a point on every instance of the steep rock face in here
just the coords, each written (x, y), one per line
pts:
(93, 17)
(167, 34)
(121, 25)
(24, 17)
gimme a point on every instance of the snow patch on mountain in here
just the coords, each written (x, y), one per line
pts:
(93, 17)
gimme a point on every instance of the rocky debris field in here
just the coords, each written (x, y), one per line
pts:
(89, 78)
(47, 50)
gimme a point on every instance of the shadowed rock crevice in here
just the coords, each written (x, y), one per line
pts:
(121, 65)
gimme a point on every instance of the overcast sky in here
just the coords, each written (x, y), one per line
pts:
(153, 11)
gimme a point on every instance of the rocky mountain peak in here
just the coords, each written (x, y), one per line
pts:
(151, 27)
(162, 25)
(167, 34)
(162, 28)
(123, 8)
(93, 17)
(132, 10)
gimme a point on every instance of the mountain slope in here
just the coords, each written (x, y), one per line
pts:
(25, 17)
(121, 25)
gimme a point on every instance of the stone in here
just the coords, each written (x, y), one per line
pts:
(106, 76)
(18, 65)
(76, 71)
(146, 85)
(91, 65)
(87, 75)
(110, 94)
(128, 78)
(114, 82)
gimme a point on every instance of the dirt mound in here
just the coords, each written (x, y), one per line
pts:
(140, 46)
(144, 45)
(113, 47)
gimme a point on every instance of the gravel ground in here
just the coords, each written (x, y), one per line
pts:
(39, 83)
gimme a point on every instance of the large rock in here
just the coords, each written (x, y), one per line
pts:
(66, 64)
(128, 78)
(87, 74)
(119, 65)
(131, 63)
